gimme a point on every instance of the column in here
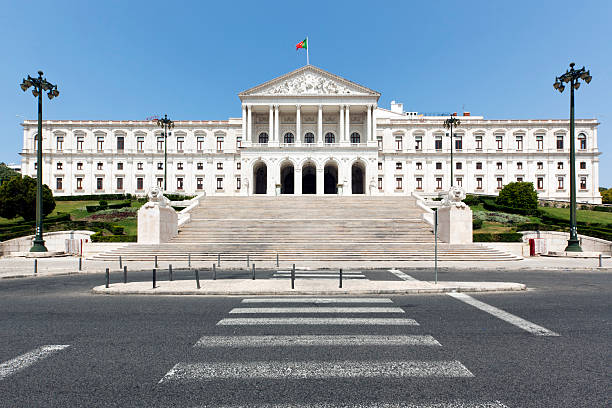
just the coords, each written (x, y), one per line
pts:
(244, 121)
(271, 124)
(297, 183)
(276, 122)
(374, 123)
(320, 181)
(347, 130)
(320, 125)
(369, 124)
(341, 124)
(298, 124)
(249, 122)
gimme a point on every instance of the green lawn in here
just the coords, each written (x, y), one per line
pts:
(581, 215)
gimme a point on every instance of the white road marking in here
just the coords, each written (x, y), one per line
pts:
(340, 321)
(322, 272)
(25, 360)
(317, 300)
(402, 275)
(317, 369)
(316, 340)
(503, 315)
(450, 404)
(313, 276)
(269, 310)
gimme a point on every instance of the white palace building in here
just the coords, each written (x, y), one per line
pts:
(313, 132)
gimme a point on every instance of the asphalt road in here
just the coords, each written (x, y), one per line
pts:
(141, 351)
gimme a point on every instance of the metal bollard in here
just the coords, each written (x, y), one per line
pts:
(214, 272)
(80, 264)
(154, 277)
(120, 263)
(293, 277)
(156, 261)
(107, 278)
(340, 278)
(600, 260)
(219, 260)
(35, 266)
(125, 274)
(170, 272)
(248, 262)
(189, 261)
(253, 271)
(277, 259)
(197, 274)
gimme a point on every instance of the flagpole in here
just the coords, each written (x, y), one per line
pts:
(307, 47)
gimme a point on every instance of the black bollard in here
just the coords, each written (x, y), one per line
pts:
(120, 263)
(125, 274)
(219, 260)
(170, 272)
(293, 277)
(189, 261)
(248, 261)
(156, 261)
(197, 274)
(80, 264)
(154, 277)
(214, 272)
(600, 260)
(253, 271)
(277, 259)
(36, 267)
(340, 278)
(107, 278)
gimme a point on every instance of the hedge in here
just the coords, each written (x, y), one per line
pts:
(94, 208)
(500, 237)
(602, 208)
(178, 197)
(94, 197)
(97, 237)
(477, 223)
(492, 206)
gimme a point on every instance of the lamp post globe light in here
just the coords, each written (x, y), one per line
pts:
(449, 124)
(166, 124)
(39, 86)
(572, 76)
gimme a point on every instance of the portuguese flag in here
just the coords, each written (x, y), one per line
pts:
(303, 44)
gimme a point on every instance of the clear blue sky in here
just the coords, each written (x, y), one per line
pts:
(133, 59)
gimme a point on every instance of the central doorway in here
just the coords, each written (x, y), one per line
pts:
(330, 178)
(309, 178)
(358, 178)
(287, 178)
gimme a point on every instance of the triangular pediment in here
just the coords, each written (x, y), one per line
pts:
(309, 80)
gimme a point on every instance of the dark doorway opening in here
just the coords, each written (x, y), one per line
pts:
(309, 179)
(260, 176)
(330, 178)
(358, 178)
(287, 178)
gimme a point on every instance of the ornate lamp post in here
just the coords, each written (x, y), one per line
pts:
(572, 76)
(449, 124)
(40, 85)
(166, 124)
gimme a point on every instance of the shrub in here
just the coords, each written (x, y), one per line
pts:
(18, 198)
(93, 197)
(518, 195)
(178, 197)
(477, 224)
(500, 237)
(471, 200)
(489, 204)
(602, 208)
(117, 230)
(97, 237)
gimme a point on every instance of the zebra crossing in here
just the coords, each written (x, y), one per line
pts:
(319, 274)
(296, 331)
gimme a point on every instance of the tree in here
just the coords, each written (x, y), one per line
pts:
(606, 196)
(18, 198)
(518, 195)
(6, 173)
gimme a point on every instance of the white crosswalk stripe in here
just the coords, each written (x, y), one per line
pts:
(316, 340)
(402, 275)
(26, 360)
(317, 300)
(276, 310)
(322, 321)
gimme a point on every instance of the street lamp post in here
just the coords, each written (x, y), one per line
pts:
(166, 124)
(449, 124)
(40, 85)
(572, 76)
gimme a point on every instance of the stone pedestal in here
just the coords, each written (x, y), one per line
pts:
(156, 223)
(455, 224)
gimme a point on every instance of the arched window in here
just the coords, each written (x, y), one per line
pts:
(289, 138)
(355, 137)
(263, 137)
(330, 138)
(309, 138)
(582, 143)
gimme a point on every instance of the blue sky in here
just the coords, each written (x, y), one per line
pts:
(130, 59)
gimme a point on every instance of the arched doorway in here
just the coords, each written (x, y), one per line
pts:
(330, 178)
(260, 178)
(287, 178)
(309, 178)
(358, 178)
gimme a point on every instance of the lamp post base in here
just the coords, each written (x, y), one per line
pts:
(38, 246)
(573, 245)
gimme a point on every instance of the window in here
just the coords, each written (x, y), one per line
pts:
(519, 165)
(398, 166)
(219, 143)
(583, 183)
(238, 183)
(478, 183)
(263, 137)
(60, 144)
(100, 143)
(199, 183)
(238, 165)
(419, 183)
(459, 181)
(582, 165)
(499, 165)
(119, 183)
(379, 165)
(160, 166)
(540, 165)
(35, 142)
(458, 143)
(200, 143)
(288, 138)
(379, 141)
(540, 142)
(79, 183)
(200, 166)
(309, 138)
(478, 142)
(559, 142)
(140, 143)
(179, 183)
(100, 166)
(519, 179)
(179, 166)
(438, 143)
(139, 166)
(438, 183)
(160, 144)
(99, 183)
(582, 142)
(120, 166)
(560, 183)
(79, 166)
(519, 143)
(355, 138)
(438, 165)
(419, 166)
(330, 138)
(540, 183)
(160, 182)
(500, 183)
(120, 143)
(478, 165)
(58, 184)
(380, 183)
(35, 166)
(398, 143)
(80, 140)
(60, 165)
(458, 166)
(219, 166)
(219, 183)
(499, 141)
(180, 141)
(238, 142)
(398, 183)
(418, 143)
(139, 183)
(559, 165)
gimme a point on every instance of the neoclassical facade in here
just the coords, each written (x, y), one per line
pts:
(313, 132)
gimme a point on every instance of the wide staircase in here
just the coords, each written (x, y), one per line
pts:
(306, 228)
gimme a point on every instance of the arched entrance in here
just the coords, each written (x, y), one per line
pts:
(309, 178)
(330, 178)
(358, 178)
(287, 178)
(260, 178)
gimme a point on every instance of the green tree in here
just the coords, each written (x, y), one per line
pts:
(6, 173)
(518, 195)
(606, 196)
(18, 198)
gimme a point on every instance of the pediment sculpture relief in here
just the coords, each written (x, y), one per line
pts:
(308, 83)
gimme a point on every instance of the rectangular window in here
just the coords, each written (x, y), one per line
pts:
(119, 166)
(499, 141)
(519, 143)
(540, 165)
(179, 183)
(398, 166)
(200, 166)
(219, 183)
(540, 183)
(519, 165)
(380, 183)
(438, 165)
(160, 144)
(119, 183)
(219, 144)
(79, 166)
(99, 183)
(499, 165)
(540, 142)
(380, 142)
(100, 143)
(200, 143)
(438, 183)
(418, 143)
(478, 142)
(458, 166)
(419, 166)
(120, 143)
(379, 165)
(79, 183)
(438, 143)
(478, 165)
(139, 183)
(58, 184)
(219, 166)
(559, 165)
(160, 166)
(199, 183)
(582, 165)
(582, 141)
(479, 183)
(139, 166)
(100, 166)
(180, 141)
(80, 140)
(583, 183)
(238, 165)
(398, 183)
(179, 166)
(160, 182)
(560, 185)
(559, 142)
(500, 183)
(398, 143)
(459, 181)
(60, 165)
(238, 183)
(238, 143)
(140, 143)
(419, 183)
(60, 143)
(458, 143)
(519, 179)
